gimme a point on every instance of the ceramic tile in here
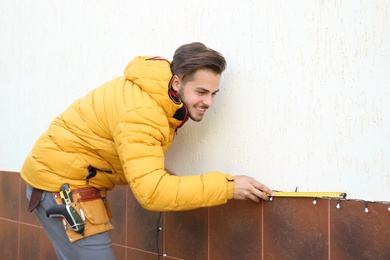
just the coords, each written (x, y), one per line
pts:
(235, 230)
(173, 258)
(356, 234)
(47, 249)
(133, 254)
(295, 228)
(142, 226)
(30, 242)
(186, 234)
(117, 201)
(8, 240)
(289, 228)
(25, 216)
(120, 252)
(9, 195)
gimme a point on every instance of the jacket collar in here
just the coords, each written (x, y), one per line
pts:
(182, 113)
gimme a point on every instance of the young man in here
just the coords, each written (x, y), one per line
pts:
(118, 134)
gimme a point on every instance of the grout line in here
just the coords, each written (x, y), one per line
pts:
(22, 223)
(135, 249)
(142, 250)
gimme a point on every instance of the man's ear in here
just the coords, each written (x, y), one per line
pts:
(176, 83)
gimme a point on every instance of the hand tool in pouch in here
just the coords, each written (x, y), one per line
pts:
(66, 194)
(66, 211)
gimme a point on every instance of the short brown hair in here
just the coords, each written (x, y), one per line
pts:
(191, 57)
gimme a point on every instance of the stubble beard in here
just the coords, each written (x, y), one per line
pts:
(180, 95)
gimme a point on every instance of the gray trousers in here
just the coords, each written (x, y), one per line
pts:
(98, 246)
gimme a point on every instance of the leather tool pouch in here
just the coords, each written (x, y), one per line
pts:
(91, 208)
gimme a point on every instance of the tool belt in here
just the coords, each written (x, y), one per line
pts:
(92, 206)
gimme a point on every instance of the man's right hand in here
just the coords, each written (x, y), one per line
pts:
(246, 187)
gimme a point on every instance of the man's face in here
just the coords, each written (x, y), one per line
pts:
(198, 93)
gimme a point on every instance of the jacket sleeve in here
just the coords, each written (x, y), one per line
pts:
(139, 138)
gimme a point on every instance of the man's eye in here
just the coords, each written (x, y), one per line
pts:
(214, 94)
(201, 92)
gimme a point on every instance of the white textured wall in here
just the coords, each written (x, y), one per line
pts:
(304, 101)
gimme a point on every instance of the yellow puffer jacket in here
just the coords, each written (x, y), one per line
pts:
(122, 129)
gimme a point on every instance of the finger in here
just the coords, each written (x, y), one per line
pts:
(264, 196)
(264, 188)
(253, 197)
(261, 194)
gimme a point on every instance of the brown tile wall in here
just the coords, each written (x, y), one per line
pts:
(286, 228)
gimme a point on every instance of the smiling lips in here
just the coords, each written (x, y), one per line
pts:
(201, 109)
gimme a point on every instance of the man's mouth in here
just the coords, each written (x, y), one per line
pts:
(201, 109)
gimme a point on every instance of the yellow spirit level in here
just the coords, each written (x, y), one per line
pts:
(299, 194)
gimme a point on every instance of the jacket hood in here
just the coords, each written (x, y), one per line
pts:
(153, 75)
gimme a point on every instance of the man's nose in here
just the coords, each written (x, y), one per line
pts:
(209, 101)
